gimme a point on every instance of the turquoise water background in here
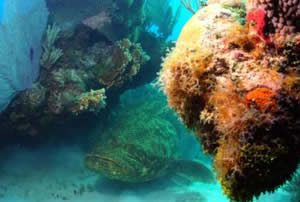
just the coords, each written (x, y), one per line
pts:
(185, 16)
(1, 9)
(22, 8)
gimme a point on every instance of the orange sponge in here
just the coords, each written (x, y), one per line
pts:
(263, 98)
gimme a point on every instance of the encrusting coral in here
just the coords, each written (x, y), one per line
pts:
(277, 19)
(64, 86)
(91, 101)
(122, 64)
(237, 87)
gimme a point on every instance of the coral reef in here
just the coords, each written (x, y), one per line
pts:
(237, 87)
(114, 21)
(32, 99)
(111, 65)
(88, 48)
(277, 19)
(64, 85)
(63, 95)
(92, 101)
(50, 53)
(123, 63)
(64, 89)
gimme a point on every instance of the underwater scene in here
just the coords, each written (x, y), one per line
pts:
(149, 100)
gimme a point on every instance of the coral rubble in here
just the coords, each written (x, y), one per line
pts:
(237, 87)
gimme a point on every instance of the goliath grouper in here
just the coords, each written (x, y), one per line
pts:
(143, 151)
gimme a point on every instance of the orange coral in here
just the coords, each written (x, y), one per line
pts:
(263, 98)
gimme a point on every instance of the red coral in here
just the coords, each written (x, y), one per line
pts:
(257, 19)
(298, 39)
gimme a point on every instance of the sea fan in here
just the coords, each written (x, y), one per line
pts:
(21, 28)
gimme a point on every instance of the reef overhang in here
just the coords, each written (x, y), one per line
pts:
(233, 78)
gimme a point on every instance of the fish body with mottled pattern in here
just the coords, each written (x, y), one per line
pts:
(141, 143)
(141, 156)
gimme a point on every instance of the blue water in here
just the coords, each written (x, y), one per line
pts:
(23, 7)
(185, 16)
(1, 9)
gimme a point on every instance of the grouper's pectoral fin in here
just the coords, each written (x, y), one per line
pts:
(185, 172)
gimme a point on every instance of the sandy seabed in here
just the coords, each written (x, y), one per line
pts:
(57, 173)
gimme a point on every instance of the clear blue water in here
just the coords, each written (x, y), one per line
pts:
(185, 16)
(1, 9)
